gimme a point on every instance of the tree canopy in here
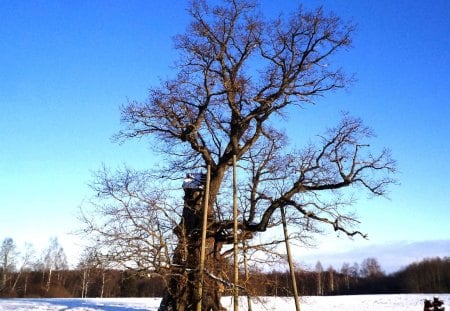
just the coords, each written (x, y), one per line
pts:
(237, 73)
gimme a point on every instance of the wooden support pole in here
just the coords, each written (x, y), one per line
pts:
(203, 246)
(291, 265)
(247, 274)
(235, 239)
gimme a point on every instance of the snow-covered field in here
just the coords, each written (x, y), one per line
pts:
(332, 303)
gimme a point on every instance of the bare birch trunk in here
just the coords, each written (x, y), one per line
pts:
(49, 280)
(103, 284)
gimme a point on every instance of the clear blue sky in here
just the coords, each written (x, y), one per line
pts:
(67, 66)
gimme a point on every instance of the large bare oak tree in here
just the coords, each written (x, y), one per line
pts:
(237, 73)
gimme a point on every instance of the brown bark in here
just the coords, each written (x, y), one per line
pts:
(182, 289)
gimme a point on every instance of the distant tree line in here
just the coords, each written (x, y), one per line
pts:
(26, 274)
(48, 275)
(431, 275)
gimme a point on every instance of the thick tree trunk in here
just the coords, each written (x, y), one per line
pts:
(181, 292)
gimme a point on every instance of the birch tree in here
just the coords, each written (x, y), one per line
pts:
(8, 257)
(54, 260)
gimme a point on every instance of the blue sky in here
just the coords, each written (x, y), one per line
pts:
(67, 66)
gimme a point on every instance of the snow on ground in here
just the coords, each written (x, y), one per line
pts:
(404, 302)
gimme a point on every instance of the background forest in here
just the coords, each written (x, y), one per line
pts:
(26, 274)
